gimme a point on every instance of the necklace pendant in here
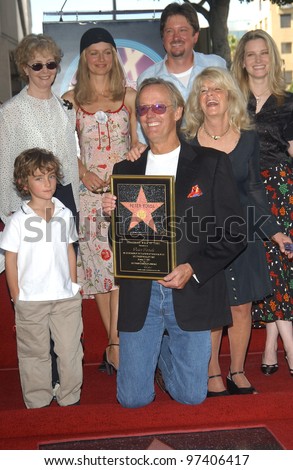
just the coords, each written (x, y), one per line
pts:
(216, 137)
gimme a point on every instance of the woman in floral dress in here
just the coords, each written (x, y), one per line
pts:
(258, 69)
(106, 126)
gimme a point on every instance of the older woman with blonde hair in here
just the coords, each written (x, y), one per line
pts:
(216, 117)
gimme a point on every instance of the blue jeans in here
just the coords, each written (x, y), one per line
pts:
(182, 356)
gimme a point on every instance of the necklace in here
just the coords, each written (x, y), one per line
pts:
(105, 92)
(216, 137)
(258, 97)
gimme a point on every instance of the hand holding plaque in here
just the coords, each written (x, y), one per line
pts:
(143, 242)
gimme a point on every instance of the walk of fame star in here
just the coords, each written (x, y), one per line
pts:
(142, 210)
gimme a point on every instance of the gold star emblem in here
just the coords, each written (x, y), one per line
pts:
(142, 210)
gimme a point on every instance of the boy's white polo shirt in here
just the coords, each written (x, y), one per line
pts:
(42, 252)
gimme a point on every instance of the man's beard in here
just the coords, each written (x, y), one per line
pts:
(177, 52)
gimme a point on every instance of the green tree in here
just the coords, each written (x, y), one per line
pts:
(233, 41)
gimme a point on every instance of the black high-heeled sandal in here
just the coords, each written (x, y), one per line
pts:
(269, 369)
(102, 366)
(110, 368)
(234, 389)
(222, 393)
(290, 370)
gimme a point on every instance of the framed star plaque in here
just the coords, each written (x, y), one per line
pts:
(143, 226)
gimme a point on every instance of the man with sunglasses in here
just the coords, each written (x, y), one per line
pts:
(192, 299)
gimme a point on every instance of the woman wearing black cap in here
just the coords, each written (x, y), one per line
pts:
(106, 126)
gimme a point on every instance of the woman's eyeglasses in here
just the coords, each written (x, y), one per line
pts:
(156, 108)
(38, 66)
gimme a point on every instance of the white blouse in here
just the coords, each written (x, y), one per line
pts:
(27, 122)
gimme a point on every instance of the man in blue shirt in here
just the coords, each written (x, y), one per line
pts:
(179, 29)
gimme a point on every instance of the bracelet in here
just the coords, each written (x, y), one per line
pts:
(105, 189)
(86, 171)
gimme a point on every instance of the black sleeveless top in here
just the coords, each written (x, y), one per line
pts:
(271, 123)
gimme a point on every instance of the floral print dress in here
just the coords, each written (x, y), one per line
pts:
(104, 140)
(277, 175)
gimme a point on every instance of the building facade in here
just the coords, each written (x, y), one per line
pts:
(278, 22)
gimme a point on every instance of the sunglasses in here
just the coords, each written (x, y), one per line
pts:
(38, 66)
(156, 108)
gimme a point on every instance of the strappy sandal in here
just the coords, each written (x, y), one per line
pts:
(234, 389)
(110, 368)
(290, 370)
(222, 393)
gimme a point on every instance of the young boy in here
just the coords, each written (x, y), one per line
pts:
(40, 268)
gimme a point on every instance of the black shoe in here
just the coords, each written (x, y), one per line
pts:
(110, 368)
(222, 393)
(234, 389)
(290, 370)
(102, 367)
(269, 369)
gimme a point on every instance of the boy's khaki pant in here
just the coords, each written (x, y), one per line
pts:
(34, 322)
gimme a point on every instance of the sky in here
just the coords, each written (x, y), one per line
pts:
(240, 15)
